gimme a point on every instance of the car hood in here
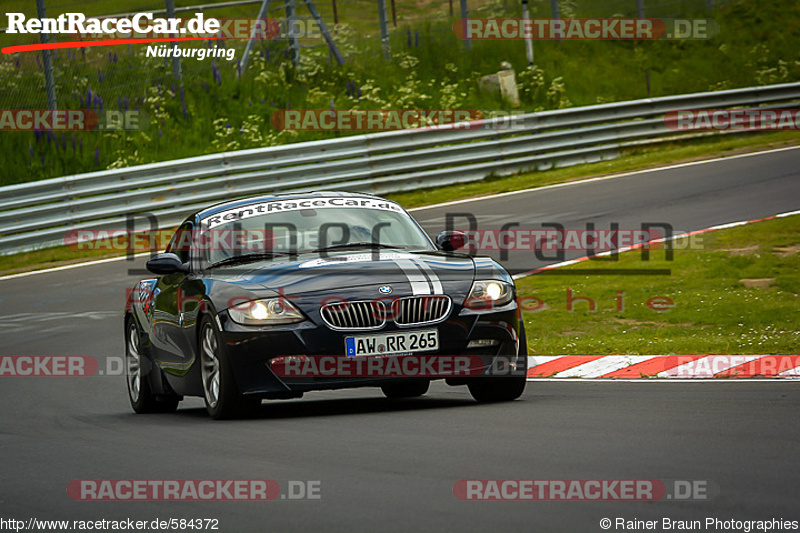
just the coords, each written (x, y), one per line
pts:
(397, 273)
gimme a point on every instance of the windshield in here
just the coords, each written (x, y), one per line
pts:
(278, 228)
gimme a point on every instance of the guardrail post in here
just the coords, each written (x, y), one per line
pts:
(464, 17)
(555, 12)
(262, 15)
(176, 61)
(294, 46)
(526, 15)
(47, 62)
(324, 29)
(384, 29)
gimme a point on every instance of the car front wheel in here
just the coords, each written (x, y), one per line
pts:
(221, 396)
(503, 388)
(499, 389)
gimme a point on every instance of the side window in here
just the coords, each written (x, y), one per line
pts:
(181, 242)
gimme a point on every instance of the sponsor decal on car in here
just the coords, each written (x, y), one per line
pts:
(280, 206)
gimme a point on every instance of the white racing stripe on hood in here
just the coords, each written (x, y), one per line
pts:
(419, 283)
(431, 276)
(420, 274)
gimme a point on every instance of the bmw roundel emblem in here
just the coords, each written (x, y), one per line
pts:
(385, 289)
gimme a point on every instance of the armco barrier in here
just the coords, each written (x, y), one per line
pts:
(38, 214)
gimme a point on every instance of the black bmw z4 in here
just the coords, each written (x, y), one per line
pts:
(274, 296)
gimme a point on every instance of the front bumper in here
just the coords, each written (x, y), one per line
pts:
(252, 350)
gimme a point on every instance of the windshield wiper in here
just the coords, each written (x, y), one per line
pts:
(249, 258)
(356, 245)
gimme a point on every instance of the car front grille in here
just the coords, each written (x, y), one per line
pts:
(354, 315)
(409, 311)
(421, 310)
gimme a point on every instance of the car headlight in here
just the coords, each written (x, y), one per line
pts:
(267, 312)
(488, 294)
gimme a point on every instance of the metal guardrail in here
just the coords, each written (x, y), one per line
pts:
(39, 214)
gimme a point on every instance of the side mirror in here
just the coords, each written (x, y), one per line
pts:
(165, 264)
(451, 240)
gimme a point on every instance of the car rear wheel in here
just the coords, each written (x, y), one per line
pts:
(406, 389)
(221, 396)
(136, 366)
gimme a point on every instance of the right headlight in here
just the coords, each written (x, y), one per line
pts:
(488, 294)
(268, 312)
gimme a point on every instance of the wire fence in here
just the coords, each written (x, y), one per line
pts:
(122, 76)
(218, 107)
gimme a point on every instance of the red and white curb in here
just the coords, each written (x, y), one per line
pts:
(663, 366)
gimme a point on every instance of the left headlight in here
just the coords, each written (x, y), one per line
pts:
(268, 312)
(488, 294)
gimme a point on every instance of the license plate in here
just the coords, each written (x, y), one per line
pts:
(397, 343)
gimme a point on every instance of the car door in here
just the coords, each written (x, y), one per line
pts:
(172, 297)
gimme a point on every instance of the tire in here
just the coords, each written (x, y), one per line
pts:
(136, 367)
(221, 396)
(406, 389)
(506, 388)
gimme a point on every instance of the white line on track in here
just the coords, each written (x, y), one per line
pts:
(69, 267)
(603, 178)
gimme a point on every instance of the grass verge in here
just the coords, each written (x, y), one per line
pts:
(739, 294)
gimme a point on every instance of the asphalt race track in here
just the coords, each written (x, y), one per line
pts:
(390, 465)
(687, 197)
